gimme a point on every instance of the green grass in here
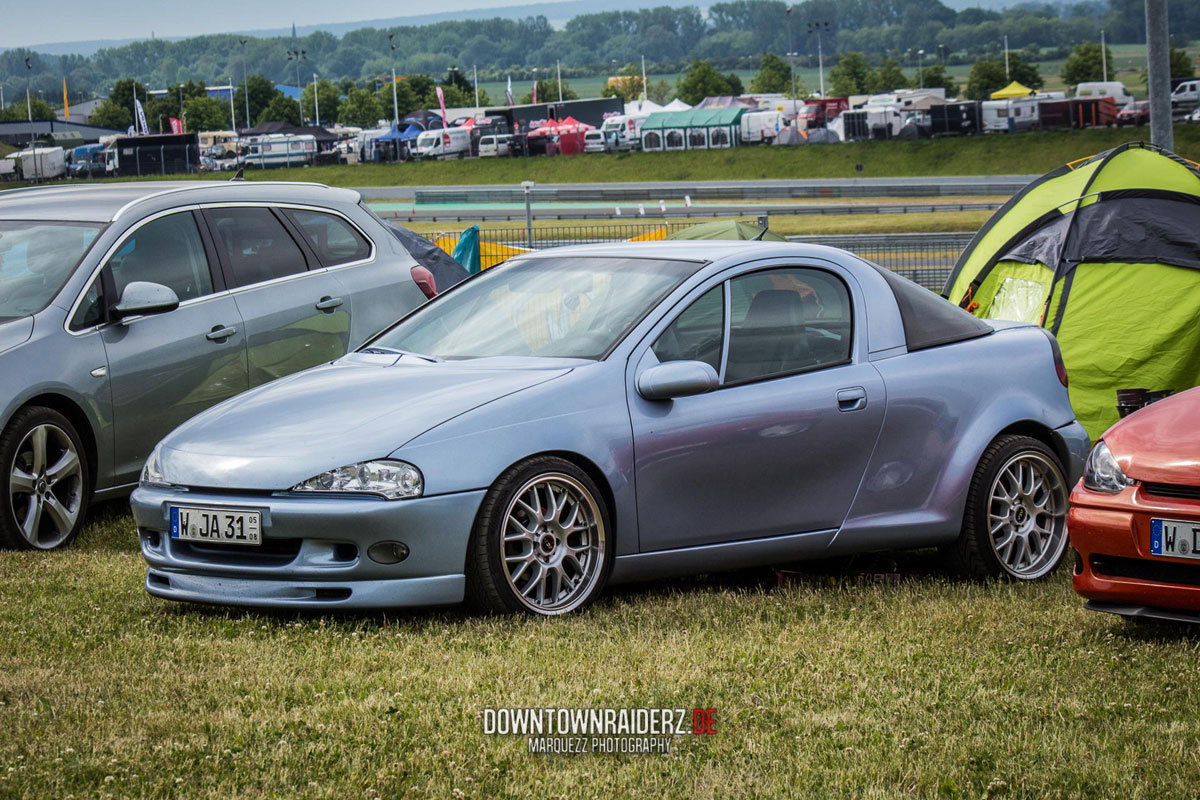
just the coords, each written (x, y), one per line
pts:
(1026, 153)
(823, 688)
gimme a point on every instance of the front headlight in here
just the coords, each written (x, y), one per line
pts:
(1102, 472)
(152, 472)
(394, 480)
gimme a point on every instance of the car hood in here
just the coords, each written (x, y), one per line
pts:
(1161, 442)
(359, 408)
(14, 332)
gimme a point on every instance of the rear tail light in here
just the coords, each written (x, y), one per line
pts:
(1060, 368)
(425, 282)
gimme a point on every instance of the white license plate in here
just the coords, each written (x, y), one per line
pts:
(1175, 538)
(216, 525)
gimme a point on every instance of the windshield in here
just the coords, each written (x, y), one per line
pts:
(545, 307)
(36, 258)
(428, 139)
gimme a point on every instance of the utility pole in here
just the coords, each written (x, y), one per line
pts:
(475, 76)
(817, 28)
(1103, 56)
(316, 101)
(245, 82)
(1158, 71)
(645, 86)
(792, 60)
(395, 105)
(1007, 76)
(29, 113)
(232, 114)
(920, 67)
(558, 68)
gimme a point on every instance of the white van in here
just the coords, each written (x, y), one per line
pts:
(443, 143)
(1186, 95)
(594, 142)
(1114, 89)
(495, 145)
(760, 126)
(624, 131)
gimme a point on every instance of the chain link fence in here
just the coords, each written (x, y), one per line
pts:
(925, 258)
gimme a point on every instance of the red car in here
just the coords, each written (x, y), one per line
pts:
(1136, 113)
(1135, 515)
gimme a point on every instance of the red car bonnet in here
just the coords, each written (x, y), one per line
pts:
(1160, 443)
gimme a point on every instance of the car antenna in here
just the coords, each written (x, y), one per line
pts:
(237, 176)
(762, 223)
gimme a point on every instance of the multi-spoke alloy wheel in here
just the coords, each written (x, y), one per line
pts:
(1027, 515)
(46, 480)
(541, 544)
(1015, 523)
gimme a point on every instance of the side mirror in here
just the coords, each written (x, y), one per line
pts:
(142, 297)
(677, 379)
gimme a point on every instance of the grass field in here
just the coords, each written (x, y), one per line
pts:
(823, 687)
(1026, 153)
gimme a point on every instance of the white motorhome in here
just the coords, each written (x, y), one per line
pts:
(1009, 116)
(41, 163)
(226, 139)
(760, 126)
(1114, 89)
(443, 143)
(278, 150)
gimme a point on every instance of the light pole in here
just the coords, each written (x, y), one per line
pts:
(1158, 73)
(791, 54)
(920, 65)
(245, 81)
(533, 97)
(1103, 56)
(29, 113)
(395, 104)
(297, 55)
(818, 28)
(475, 79)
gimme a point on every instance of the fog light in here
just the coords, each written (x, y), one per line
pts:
(388, 552)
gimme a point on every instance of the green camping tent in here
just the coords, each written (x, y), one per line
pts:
(725, 229)
(1105, 253)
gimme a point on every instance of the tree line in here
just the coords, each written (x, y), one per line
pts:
(731, 35)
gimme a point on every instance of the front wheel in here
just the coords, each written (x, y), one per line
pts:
(542, 543)
(44, 481)
(1015, 523)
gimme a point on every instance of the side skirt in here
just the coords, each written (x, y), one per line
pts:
(720, 557)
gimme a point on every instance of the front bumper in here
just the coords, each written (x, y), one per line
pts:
(1115, 570)
(314, 551)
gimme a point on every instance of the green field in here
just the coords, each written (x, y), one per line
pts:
(823, 687)
(998, 154)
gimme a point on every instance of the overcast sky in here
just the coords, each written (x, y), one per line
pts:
(85, 20)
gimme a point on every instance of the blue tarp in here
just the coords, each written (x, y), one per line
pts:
(397, 135)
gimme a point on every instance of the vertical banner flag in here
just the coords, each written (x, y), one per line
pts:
(176, 125)
(445, 123)
(508, 91)
(535, 90)
(141, 117)
(66, 102)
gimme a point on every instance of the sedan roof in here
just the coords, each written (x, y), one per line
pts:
(103, 202)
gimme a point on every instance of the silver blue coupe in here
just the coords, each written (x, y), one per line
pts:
(586, 416)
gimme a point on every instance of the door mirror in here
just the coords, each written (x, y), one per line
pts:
(676, 379)
(142, 297)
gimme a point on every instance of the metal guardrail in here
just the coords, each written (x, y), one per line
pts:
(925, 258)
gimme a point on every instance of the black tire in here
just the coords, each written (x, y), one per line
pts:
(490, 589)
(72, 492)
(975, 553)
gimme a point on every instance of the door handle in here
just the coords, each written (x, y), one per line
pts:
(852, 399)
(328, 303)
(220, 333)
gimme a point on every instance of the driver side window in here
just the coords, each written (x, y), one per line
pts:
(698, 333)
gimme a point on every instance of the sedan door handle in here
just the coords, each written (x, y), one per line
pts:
(328, 303)
(852, 399)
(220, 333)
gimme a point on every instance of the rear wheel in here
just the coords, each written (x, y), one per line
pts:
(542, 542)
(45, 481)
(1015, 524)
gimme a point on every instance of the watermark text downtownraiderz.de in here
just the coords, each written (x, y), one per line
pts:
(600, 730)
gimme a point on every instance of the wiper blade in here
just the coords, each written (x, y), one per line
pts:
(377, 350)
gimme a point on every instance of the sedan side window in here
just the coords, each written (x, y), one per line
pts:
(334, 240)
(167, 250)
(255, 245)
(786, 320)
(698, 333)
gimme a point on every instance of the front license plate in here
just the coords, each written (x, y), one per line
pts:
(216, 525)
(1175, 538)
